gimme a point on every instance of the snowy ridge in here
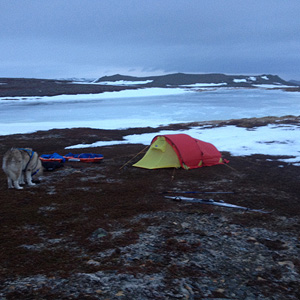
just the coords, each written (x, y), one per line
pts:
(185, 81)
(181, 79)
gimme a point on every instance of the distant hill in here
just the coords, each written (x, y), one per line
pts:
(27, 87)
(190, 79)
(12, 87)
(294, 82)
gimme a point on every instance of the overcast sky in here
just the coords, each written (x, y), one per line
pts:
(92, 38)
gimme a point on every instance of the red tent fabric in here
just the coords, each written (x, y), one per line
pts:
(193, 153)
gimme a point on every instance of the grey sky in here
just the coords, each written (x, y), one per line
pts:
(92, 38)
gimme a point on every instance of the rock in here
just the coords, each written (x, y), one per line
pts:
(287, 263)
(185, 225)
(93, 262)
(98, 234)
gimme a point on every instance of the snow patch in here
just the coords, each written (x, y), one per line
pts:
(124, 82)
(275, 140)
(271, 86)
(205, 84)
(143, 92)
(239, 80)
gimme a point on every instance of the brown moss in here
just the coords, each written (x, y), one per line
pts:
(74, 201)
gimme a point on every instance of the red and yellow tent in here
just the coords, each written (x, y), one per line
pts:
(179, 150)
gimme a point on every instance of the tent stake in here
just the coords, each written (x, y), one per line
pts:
(173, 174)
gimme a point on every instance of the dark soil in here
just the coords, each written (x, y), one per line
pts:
(106, 231)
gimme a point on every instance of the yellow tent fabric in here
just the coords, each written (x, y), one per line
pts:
(160, 155)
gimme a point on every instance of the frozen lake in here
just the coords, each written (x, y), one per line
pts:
(154, 107)
(141, 108)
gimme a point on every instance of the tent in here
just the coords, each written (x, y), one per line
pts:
(179, 150)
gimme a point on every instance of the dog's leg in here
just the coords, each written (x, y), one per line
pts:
(22, 179)
(28, 178)
(13, 179)
(17, 185)
(10, 183)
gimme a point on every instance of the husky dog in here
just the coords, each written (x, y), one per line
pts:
(19, 164)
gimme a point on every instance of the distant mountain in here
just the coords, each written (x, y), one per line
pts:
(12, 87)
(181, 79)
(294, 82)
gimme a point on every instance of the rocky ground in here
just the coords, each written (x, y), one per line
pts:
(106, 231)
